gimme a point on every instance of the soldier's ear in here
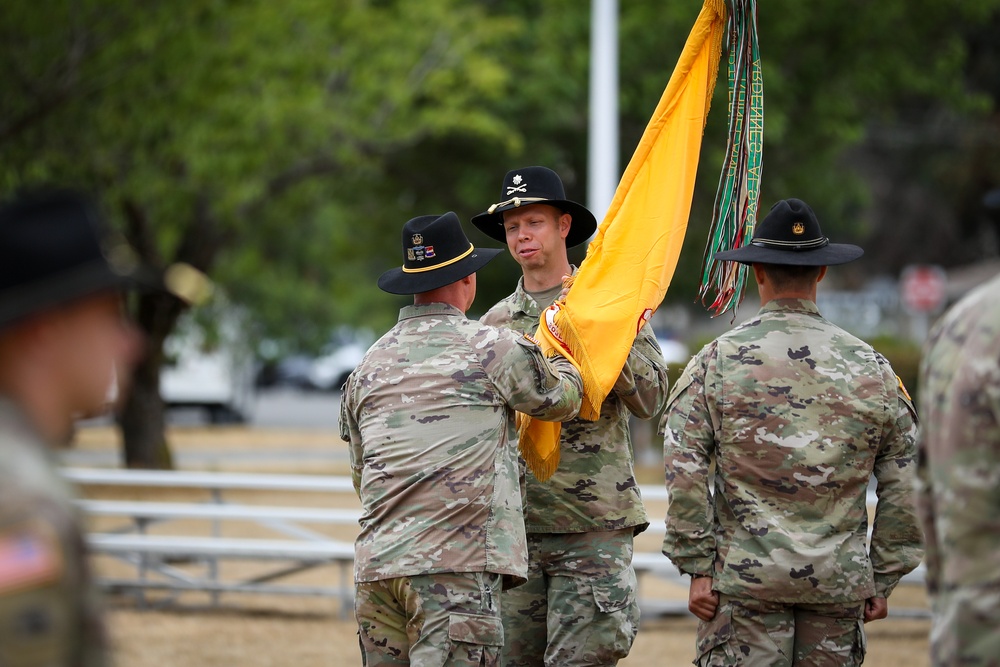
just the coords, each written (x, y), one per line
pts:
(822, 274)
(565, 222)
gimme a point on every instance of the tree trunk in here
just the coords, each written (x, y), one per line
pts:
(143, 414)
(143, 420)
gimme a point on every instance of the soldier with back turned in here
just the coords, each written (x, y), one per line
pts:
(797, 415)
(429, 415)
(959, 479)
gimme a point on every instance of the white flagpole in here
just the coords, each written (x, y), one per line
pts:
(602, 150)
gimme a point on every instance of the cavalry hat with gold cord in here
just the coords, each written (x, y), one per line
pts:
(436, 252)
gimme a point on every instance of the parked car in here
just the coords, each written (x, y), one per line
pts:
(214, 372)
(291, 371)
(339, 358)
(674, 351)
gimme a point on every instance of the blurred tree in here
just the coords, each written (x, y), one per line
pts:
(246, 138)
(838, 76)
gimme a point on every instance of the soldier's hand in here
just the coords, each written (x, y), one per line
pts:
(875, 609)
(702, 600)
(567, 282)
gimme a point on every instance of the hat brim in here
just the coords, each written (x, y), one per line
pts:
(77, 283)
(829, 255)
(397, 281)
(582, 228)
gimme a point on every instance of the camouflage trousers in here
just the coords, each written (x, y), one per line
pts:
(966, 628)
(756, 632)
(579, 605)
(430, 621)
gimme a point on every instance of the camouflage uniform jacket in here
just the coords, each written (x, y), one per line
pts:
(796, 414)
(49, 611)
(429, 415)
(959, 463)
(594, 488)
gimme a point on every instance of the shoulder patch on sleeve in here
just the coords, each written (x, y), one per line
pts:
(29, 556)
(902, 389)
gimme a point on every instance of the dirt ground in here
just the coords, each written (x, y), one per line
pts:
(260, 631)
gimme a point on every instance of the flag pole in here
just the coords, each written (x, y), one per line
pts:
(602, 148)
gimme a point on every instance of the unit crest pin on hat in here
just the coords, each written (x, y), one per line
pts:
(791, 235)
(535, 185)
(436, 252)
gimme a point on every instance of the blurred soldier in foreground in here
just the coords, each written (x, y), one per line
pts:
(959, 479)
(796, 414)
(579, 606)
(429, 415)
(62, 336)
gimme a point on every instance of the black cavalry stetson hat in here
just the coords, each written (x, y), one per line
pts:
(791, 235)
(535, 185)
(436, 252)
(55, 248)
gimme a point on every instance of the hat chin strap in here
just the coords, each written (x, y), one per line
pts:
(791, 245)
(516, 201)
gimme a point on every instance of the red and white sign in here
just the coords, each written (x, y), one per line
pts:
(923, 288)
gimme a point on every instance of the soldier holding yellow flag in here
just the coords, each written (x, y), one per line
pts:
(583, 507)
(581, 521)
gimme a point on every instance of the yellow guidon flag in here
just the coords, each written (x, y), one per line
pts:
(632, 258)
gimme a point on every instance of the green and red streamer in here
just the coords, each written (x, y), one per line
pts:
(735, 212)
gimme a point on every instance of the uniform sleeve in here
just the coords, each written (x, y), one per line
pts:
(897, 543)
(547, 389)
(688, 449)
(928, 520)
(49, 606)
(642, 385)
(351, 434)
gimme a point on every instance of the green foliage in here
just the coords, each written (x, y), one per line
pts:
(266, 129)
(283, 144)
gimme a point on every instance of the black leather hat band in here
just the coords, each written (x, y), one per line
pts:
(791, 245)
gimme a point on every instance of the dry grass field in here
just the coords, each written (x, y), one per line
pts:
(260, 631)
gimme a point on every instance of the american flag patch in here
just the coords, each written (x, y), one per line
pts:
(27, 558)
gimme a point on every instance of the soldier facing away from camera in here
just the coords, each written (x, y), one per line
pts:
(796, 415)
(959, 479)
(579, 606)
(429, 415)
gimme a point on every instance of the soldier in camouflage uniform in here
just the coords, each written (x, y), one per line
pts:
(959, 480)
(796, 415)
(579, 606)
(429, 415)
(62, 335)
